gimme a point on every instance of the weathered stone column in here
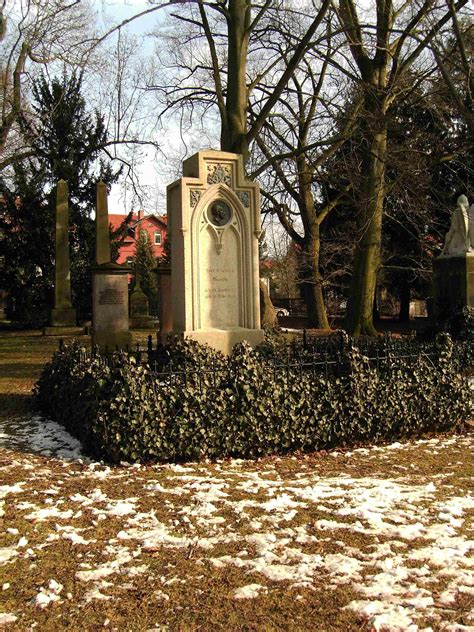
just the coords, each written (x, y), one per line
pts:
(110, 326)
(63, 315)
(102, 235)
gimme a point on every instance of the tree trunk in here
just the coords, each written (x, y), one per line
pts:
(359, 320)
(268, 315)
(312, 283)
(234, 127)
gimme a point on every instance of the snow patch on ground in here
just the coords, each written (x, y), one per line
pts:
(40, 436)
(249, 592)
(407, 538)
(49, 594)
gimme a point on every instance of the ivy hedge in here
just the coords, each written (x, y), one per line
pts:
(211, 406)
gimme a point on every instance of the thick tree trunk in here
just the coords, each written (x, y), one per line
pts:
(310, 276)
(312, 283)
(234, 127)
(359, 320)
(268, 315)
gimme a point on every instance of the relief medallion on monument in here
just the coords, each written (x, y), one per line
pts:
(219, 213)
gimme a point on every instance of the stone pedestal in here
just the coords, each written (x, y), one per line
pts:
(453, 285)
(214, 225)
(110, 325)
(63, 316)
(163, 274)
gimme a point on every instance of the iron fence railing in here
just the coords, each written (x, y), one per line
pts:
(305, 355)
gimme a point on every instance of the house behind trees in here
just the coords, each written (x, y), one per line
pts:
(154, 226)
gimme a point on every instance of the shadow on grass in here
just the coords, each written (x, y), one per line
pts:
(15, 405)
(22, 370)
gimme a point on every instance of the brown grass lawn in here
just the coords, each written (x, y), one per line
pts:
(276, 544)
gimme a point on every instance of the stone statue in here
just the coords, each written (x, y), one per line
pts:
(470, 230)
(456, 242)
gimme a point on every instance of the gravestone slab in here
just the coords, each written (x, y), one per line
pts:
(110, 324)
(214, 225)
(110, 307)
(453, 284)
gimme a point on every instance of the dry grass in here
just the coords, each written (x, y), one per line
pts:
(200, 595)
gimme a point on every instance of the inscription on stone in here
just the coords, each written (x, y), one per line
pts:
(220, 281)
(219, 284)
(111, 296)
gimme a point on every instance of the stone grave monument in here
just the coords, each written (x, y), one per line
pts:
(63, 315)
(139, 315)
(110, 325)
(453, 270)
(163, 281)
(214, 225)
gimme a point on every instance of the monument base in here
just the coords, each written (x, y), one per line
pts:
(453, 285)
(223, 340)
(63, 317)
(142, 322)
(110, 341)
(110, 326)
(63, 331)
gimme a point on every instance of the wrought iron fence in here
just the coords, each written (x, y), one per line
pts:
(305, 355)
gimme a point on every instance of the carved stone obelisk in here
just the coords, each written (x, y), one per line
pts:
(63, 315)
(110, 326)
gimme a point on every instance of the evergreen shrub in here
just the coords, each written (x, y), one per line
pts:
(204, 405)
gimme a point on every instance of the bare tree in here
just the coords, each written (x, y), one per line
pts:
(34, 35)
(232, 30)
(453, 51)
(295, 142)
(384, 48)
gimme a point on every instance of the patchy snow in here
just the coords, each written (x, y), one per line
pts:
(6, 554)
(6, 618)
(40, 436)
(249, 592)
(49, 594)
(400, 543)
(46, 513)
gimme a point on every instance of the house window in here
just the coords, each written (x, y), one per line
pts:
(157, 238)
(144, 234)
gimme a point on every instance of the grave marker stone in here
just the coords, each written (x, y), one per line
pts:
(214, 225)
(139, 315)
(453, 270)
(63, 315)
(110, 325)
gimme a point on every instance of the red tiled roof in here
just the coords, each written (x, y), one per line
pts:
(116, 220)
